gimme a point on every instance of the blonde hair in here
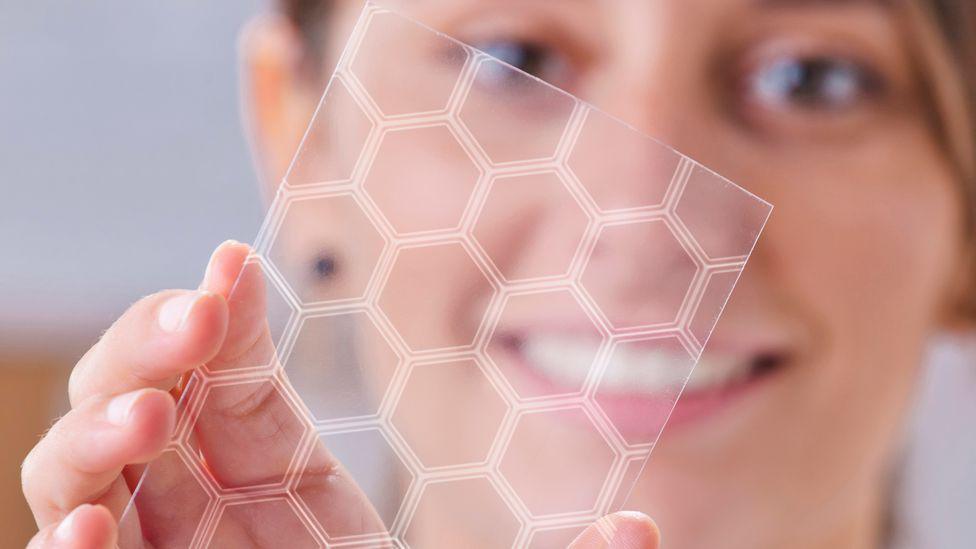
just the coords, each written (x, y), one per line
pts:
(944, 36)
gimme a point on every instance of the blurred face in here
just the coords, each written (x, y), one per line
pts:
(784, 434)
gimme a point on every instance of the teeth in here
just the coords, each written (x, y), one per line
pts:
(567, 361)
(564, 360)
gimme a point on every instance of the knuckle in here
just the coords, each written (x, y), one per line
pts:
(29, 470)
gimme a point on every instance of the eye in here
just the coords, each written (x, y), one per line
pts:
(812, 83)
(537, 59)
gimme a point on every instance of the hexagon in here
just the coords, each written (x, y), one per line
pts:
(641, 384)
(330, 492)
(248, 434)
(548, 448)
(468, 508)
(639, 274)
(326, 248)
(436, 297)
(334, 141)
(449, 413)
(257, 306)
(619, 167)
(708, 197)
(544, 343)
(717, 291)
(531, 226)
(170, 503)
(514, 116)
(406, 68)
(379, 474)
(421, 179)
(341, 365)
(264, 523)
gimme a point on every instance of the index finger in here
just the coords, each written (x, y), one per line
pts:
(161, 336)
(253, 443)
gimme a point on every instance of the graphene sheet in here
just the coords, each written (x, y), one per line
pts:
(474, 303)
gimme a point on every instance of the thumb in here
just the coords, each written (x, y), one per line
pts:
(623, 530)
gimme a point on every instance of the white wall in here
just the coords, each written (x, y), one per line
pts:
(122, 161)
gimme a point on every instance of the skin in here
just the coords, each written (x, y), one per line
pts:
(854, 273)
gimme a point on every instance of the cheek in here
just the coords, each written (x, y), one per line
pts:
(868, 245)
(861, 250)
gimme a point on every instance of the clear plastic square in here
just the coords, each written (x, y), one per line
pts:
(474, 303)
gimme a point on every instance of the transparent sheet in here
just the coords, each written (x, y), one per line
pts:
(483, 299)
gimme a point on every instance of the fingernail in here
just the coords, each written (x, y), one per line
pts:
(636, 515)
(64, 530)
(174, 312)
(120, 408)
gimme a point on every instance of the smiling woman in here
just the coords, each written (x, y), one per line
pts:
(854, 118)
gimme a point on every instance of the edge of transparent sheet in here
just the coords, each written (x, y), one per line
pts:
(470, 287)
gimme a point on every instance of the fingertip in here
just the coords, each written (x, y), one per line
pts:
(633, 529)
(87, 526)
(224, 266)
(190, 329)
(151, 423)
(159, 338)
(621, 530)
(205, 327)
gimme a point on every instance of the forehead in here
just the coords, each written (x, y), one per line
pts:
(632, 13)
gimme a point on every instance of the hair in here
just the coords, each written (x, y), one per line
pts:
(945, 32)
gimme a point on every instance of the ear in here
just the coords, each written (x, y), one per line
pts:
(276, 95)
(962, 307)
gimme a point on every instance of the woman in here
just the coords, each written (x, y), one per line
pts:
(855, 119)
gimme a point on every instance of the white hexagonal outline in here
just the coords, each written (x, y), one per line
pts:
(269, 263)
(400, 362)
(371, 538)
(478, 181)
(492, 481)
(261, 499)
(497, 436)
(677, 177)
(340, 80)
(284, 391)
(608, 477)
(578, 253)
(476, 259)
(587, 309)
(350, 73)
(692, 284)
(484, 59)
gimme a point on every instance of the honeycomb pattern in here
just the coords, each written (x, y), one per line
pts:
(365, 405)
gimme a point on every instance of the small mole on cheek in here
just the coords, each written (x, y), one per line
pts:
(324, 266)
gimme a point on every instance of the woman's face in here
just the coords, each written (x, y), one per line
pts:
(812, 105)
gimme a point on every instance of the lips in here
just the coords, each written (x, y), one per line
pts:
(642, 379)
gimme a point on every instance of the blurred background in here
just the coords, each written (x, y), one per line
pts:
(124, 163)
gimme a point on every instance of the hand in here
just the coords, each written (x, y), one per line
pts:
(79, 477)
